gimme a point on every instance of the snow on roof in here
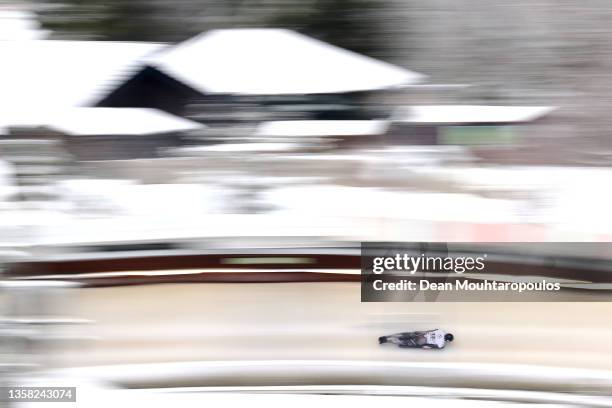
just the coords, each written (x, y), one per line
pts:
(322, 128)
(65, 73)
(272, 62)
(100, 121)
(19, 24)
(239, 147)
(470, 114)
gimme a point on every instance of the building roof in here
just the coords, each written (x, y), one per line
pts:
(273, 62)
(322, 128)
(65, 73)
(19, 23)
(100, 121)
(453, 114)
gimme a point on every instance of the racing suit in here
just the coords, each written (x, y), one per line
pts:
(418, 339)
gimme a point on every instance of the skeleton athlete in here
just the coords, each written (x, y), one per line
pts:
(436, 339)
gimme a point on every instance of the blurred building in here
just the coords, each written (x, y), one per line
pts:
(333, 134)
(38, 75)
(462, 124)
(428, 125)
(277, 71)
(101, 133)
(17, 22)
(42, 146)
(108, 98)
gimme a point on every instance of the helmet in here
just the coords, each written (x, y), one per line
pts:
(449, 337)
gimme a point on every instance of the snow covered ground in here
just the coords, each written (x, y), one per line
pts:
(542, 204)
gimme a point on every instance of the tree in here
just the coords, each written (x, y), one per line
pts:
(352, 24)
